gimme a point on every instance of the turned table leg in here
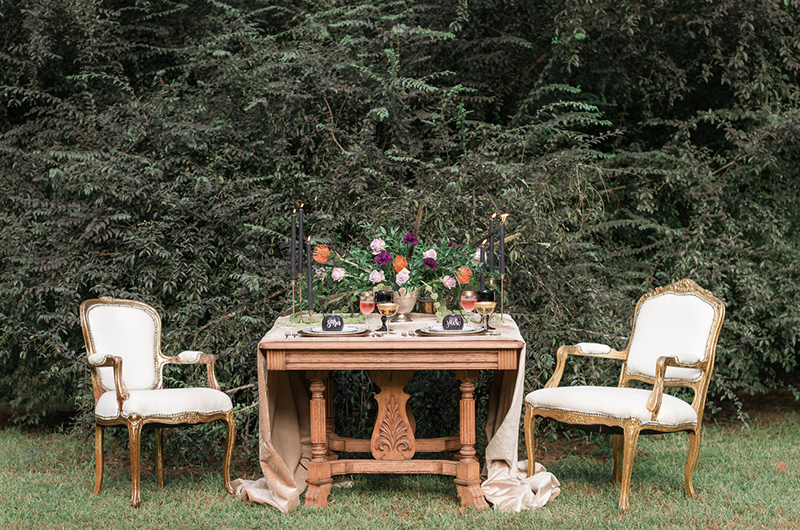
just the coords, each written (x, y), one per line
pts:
(319, 469)
(330, 415)
(468, 470)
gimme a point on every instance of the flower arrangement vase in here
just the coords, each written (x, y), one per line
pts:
(405, 299)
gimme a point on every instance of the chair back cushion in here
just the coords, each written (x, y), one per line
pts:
(130, 330)
(674, 322)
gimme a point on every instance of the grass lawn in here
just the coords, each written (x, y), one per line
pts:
(747, 477)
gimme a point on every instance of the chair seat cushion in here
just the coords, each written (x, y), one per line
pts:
(613, 402)
(167, 403)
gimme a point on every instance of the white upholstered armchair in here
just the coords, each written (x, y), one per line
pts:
(673, 344)
(123, 342)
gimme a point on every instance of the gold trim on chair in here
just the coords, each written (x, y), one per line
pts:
(626, 430)
(134, 421)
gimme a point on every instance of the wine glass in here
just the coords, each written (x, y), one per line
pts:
(467, 301)
(381, 298)
(485, 306)
(387, 309)
(366, 302)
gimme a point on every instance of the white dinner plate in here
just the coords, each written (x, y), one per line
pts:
(439, 330)
(347, 331)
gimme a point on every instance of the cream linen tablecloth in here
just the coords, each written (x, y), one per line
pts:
(285, 439)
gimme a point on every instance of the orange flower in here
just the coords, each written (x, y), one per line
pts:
(464, 275)
(321, 253)
(399, 263)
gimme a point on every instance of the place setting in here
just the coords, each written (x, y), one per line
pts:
(482, 302)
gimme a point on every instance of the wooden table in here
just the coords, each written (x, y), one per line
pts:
(391, 361)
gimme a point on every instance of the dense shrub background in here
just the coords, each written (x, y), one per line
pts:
(154, 150)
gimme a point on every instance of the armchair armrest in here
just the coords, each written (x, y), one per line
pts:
(197, 357)
(681, 360)
(100, 360)
(584, 349)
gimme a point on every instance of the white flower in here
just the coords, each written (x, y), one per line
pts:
(429, 254)
(377, 245)
(377, 276)
(449, 282)
(337, 274)
(402, 277)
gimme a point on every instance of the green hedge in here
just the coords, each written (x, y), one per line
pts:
(156, 152)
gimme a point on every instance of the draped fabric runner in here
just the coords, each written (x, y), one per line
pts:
(285, 438)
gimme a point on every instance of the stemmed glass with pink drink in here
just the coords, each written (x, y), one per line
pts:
(467, 300)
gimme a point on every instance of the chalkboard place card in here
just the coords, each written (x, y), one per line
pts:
(453, 322)
(332, 323)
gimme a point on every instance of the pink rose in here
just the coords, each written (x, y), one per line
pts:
(377, 245)
(449, 282)
(377, 276)
(337, 274)
(402, 277)
(478, 255)
(429, 254)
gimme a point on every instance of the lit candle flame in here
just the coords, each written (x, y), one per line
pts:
(503, 218)
(494, 215)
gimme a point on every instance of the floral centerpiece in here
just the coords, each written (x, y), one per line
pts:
(395, 260)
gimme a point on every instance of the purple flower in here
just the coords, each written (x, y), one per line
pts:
(453, 244)
(383, 258)
(410, 238)
(430, 263)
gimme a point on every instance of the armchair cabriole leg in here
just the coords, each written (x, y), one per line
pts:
(618, 445)
(98, 458)
(230, 424)
(631, 436)
(135, 444)
(160, 457)
(530, 424)
(691, 461)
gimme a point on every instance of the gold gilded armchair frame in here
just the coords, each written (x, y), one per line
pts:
(135, 423)
(626, 431)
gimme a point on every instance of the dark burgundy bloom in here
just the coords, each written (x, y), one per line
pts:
(383, 258)
(430, 263)
(410, 238)
(452, 244)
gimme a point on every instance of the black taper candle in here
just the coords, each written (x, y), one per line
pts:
(294, 246)
(502, 236)
(483, 264)
(310, 276)
(300, 239)
(491, 243)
